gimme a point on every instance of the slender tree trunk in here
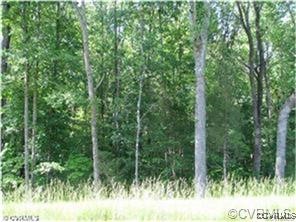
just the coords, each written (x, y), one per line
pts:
(34, 123)
(80, 11)
(26, 99)
(34, 112)
(116, 73)
(26, 127)
(281, 137)
(138, 131)
(5, 43)
(268, 96)
(257, 136)
(262, 70)
(141, 79)
(225, 157)
(256, 87)
(200, 43)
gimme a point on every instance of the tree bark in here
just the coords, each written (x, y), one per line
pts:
(80, 11)
(268, 96)
(26, 127)
(256, 86)
(5, 44)
(281, 137)
(199, 46)
(138, 131)
(34, 108)
(26, 98)
(225, 157)
(141, 79)
(117, 77)
(260, 74)
(34, 123)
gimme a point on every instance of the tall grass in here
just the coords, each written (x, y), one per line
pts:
(149, 189)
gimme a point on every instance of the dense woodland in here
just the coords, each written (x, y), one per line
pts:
(123, 91)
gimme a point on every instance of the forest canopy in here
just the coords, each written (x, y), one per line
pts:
(107, 90)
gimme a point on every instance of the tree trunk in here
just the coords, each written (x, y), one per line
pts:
(5, 43)
(141, 79)
(257, 136)
(200, 43)
(80, 11)
(268, 96)
(225, 158)
(34, 123)
(34, 112)
(116, 74)
(26, 127)
(261, 73)
(256, 87)
(26, 99)
(281, 137)
(138, 131)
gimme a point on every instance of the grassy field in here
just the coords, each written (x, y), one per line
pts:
(152, 201)
(148, 209)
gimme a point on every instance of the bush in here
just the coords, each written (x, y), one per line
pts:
(78, 168)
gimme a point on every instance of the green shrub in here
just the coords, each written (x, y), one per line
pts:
(78, 168)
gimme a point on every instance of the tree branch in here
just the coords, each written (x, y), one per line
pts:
(100, 82)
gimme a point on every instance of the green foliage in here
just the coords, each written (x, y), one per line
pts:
(55, 69)
(11, 168)
(45, 171)
(78, 168)
(49, 167)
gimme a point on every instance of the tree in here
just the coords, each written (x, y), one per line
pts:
(199, 49)
(26, 97)
(80, 12)
(138, 129)
(144, 82)
(34, 101)
(116, 74)
(138, 113)
(255, 76)
(280, 164)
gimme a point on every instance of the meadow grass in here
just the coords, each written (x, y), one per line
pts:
(152, 200)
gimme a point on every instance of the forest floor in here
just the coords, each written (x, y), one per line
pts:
(148, 209)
